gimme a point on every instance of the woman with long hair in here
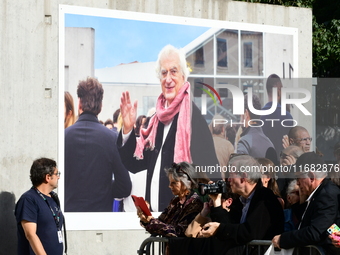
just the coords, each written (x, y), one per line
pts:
(69, 114)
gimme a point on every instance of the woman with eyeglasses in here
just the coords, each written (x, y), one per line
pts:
(182, 209)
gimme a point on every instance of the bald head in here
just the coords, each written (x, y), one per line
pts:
(299, 136)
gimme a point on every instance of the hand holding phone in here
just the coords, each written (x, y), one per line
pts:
(334, 231)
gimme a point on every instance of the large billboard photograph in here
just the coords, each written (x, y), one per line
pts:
(193, 104)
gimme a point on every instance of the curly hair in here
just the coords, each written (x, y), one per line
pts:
(90, 93)
(40, 168)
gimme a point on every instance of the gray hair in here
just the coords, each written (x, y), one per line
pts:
(308, 174)
(239, 161)
(305, 164)
(167, 51)
(291, 186)
(184, 173)
(320, 175)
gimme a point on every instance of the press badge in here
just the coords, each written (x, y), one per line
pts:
(60, 236)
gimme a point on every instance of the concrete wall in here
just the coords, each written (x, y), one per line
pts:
(79, 57)
(29, 92)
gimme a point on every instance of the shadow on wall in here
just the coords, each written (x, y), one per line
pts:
(8, 228)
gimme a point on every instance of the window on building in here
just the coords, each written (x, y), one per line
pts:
(248, 54)
(199, 57)
(222, 60)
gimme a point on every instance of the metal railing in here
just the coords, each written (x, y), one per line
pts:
(156, 246)
(311, 249)
(149, 245)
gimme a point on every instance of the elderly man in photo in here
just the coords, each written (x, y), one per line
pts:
(262, 215)
(176, 132)
(322, 208)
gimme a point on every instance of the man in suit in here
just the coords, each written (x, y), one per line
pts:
(322, 208)
(262, 215)
(91, 157)
(176, 132)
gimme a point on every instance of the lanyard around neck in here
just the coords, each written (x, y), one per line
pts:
(56, 217)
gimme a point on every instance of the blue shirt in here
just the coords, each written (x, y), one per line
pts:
(33, 208)
(246, 203)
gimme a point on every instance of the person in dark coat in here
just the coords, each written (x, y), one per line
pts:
(92, 159)
(322, 208)
(262, 215)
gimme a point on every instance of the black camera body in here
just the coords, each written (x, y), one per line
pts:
(212, 188)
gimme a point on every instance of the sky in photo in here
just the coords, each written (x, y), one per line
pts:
(124, 40)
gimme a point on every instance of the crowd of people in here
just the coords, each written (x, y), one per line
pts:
(173, 145)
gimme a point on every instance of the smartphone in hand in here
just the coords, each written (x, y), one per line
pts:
(332, 229)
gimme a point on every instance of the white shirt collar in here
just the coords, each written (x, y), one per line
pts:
(311, 195)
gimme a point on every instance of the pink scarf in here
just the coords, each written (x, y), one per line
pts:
(181, 104)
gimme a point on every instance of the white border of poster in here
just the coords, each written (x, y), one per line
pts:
(129, 220)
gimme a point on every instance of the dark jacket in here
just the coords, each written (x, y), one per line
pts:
(91, 158)
(321, 213)
(264, 220)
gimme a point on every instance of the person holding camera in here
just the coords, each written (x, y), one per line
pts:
(182, 209)
(222, 202)
(262, 215)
